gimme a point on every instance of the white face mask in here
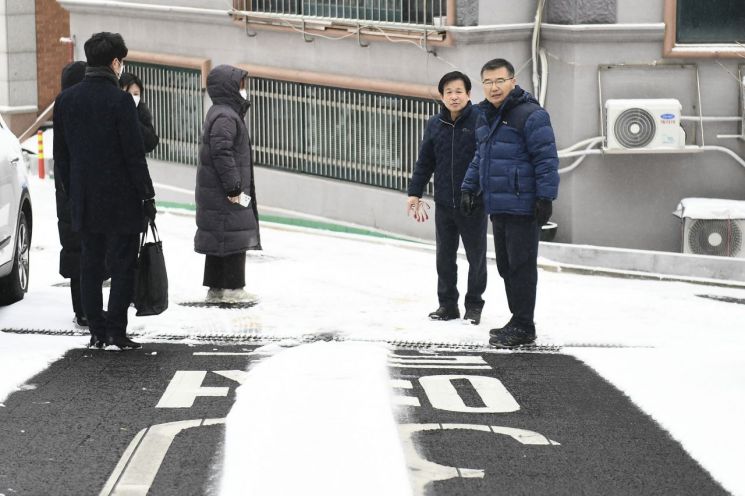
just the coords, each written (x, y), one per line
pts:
(136, 99)
(121, 70)
(244, 94)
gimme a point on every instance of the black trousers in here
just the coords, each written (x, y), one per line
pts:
(77, 304)
(228, 272)
(516, 247)
(450, 226)
(119, 252)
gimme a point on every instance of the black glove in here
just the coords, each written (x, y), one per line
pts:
(543, 211)
(149, 208)
(467, 203)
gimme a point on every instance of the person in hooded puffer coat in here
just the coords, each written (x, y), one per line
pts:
(226, 229)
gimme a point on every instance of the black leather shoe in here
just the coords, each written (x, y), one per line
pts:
(497, 331)
(512, 336)
(473, 315)
(122, 342)
(445, 313)
(95, 342)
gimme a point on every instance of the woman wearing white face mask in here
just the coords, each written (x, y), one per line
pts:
(133, 85)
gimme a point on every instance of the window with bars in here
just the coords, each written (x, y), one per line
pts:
(418, 12)
(352, 135)
(176, 100)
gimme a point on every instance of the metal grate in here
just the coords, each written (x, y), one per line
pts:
(176, 99)
(357, 136)
(415, 12)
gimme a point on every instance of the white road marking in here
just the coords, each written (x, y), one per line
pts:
(424, 471)
(443, 395)
(185, 387)
(467, 362)
(138, 466)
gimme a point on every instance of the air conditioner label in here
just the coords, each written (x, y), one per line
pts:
(667, 118)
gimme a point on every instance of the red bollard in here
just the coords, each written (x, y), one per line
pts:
(40, 152)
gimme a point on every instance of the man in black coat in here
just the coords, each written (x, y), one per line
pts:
(446, 151)
(69, 257)
(99, 155)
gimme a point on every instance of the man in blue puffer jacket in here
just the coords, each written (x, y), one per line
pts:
(516, 169)
(447, 148)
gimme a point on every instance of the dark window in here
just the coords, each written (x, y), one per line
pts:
(710, 21)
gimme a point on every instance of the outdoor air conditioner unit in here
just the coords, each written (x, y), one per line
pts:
(713, 227)
(644, 126)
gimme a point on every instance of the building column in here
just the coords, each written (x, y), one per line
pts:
(18, 103)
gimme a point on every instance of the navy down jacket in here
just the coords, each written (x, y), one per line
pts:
(446, 150)
(516, 160)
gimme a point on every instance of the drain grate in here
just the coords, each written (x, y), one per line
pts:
(258, 338)
(221, 305)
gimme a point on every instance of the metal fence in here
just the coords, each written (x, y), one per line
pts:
(176, 99)
(416, 12)
(357, 136)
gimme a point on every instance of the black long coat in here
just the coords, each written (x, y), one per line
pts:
(149, 136)
(69, 255)
(225, 169)
(99, 155)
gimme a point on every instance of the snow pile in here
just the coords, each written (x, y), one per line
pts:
(316, 419)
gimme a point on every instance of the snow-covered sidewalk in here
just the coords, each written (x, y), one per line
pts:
(678, 356)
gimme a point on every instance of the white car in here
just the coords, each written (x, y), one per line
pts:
(15, 218)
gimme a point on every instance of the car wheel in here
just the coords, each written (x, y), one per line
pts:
(14, 285)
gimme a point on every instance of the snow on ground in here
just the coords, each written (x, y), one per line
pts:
(681, 362)
(320, 393)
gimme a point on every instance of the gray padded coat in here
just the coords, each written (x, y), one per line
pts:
(225, 169)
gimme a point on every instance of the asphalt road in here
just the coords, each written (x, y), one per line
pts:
(150, 422)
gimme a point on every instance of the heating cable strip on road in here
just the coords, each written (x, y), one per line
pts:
(260, 339)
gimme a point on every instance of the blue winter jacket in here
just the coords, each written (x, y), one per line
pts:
(446, 150)
(516, 160)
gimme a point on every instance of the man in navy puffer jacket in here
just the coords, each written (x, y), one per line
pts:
(516, 169)
(447, 148)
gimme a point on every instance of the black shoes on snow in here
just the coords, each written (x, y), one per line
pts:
(122, 342)
(445, 313)
(511, 336)
(472, 315)
(95, 342)
(112, 343)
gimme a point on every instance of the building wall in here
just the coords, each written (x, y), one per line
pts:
(52, 23)
(17, 63)
(621, 200)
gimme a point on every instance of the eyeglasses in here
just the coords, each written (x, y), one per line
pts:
(498, 81)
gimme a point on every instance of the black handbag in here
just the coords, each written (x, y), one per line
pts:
(151, 279)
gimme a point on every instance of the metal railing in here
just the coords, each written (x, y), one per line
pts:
(351, 135)
(176, 100)
(415, 12)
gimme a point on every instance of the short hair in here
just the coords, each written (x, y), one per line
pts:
(454, 76)
(498, 64)
(72, 74)
(128, 79)
(102, 48)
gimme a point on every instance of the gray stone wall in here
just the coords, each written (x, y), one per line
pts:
(17, 53)
(467, 12)
(581, 11)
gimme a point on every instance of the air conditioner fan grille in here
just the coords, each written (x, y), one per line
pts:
(634, 128)
(715, 237)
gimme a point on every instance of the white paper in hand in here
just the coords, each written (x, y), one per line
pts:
(244, 199)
